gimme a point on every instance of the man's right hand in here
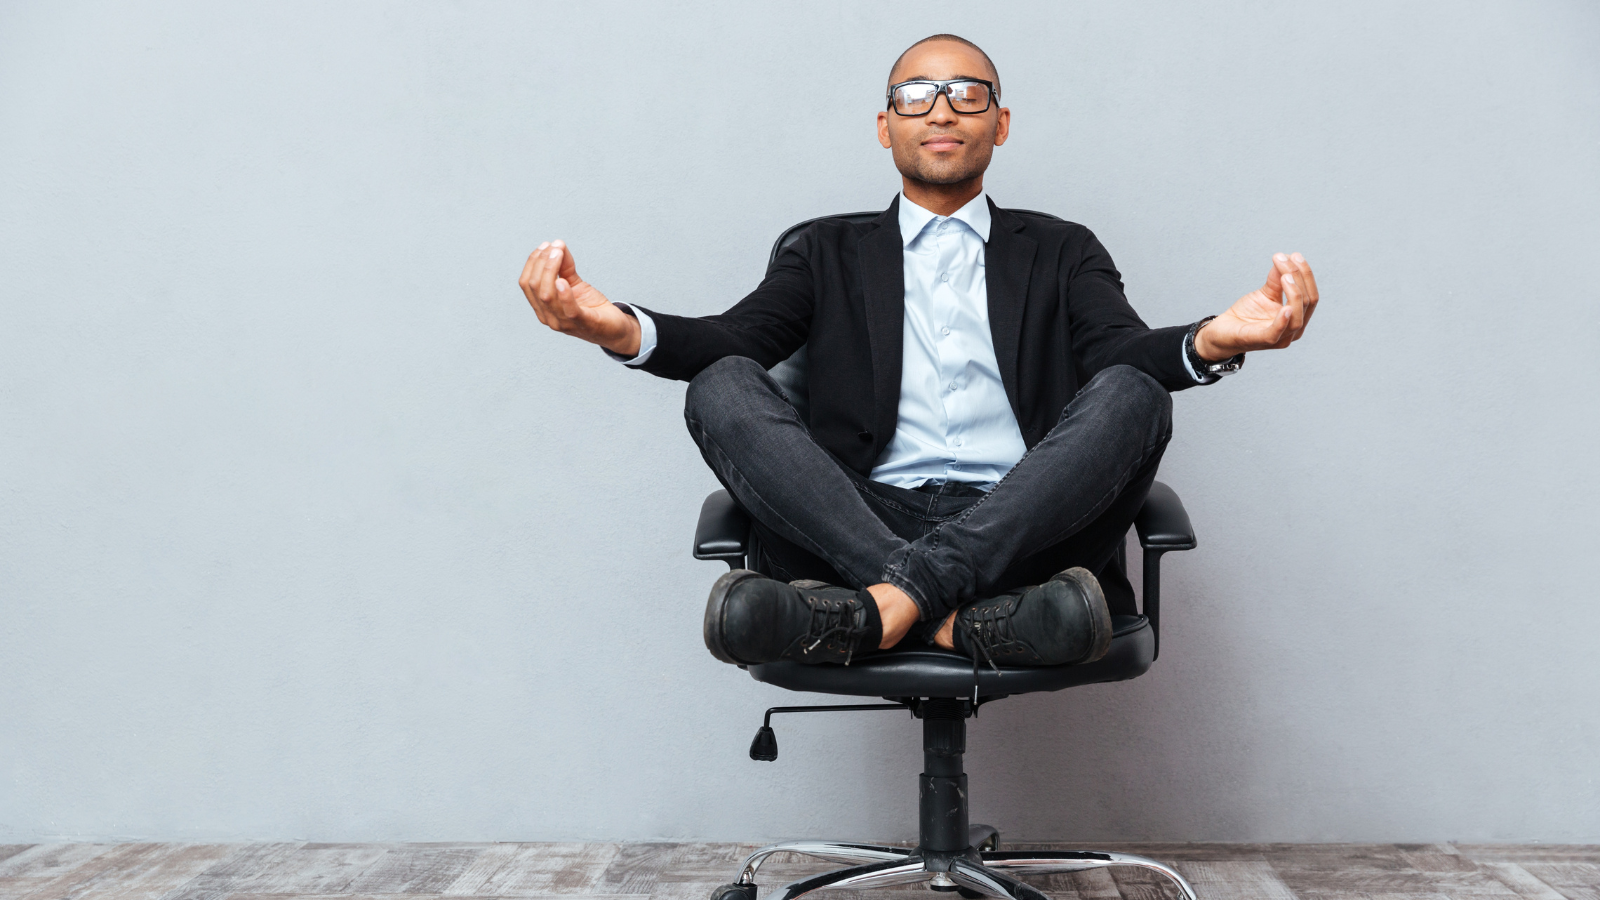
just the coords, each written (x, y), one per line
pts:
(571, 305)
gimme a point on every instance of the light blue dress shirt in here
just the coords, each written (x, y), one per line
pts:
(955, 421)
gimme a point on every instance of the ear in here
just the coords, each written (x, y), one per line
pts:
(1002, 126)
(883, 129)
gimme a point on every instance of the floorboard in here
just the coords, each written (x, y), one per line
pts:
(689, 871)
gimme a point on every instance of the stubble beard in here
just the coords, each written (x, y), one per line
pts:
(918, 167)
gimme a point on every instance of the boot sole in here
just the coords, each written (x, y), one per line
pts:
(1099, 613)
(716, 605)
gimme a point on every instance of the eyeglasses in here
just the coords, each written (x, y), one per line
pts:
(966, 95)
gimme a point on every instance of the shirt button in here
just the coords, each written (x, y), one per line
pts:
(945, 330)
(944, 276)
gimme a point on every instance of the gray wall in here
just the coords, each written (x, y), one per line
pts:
(309, 530)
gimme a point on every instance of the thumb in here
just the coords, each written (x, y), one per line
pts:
(569, 306)
(578, 306)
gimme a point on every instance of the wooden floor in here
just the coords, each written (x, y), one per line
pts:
(690, 871)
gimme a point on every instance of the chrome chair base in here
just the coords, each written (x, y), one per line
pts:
(974, 872)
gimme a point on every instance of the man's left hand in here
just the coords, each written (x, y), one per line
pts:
(1269, 318)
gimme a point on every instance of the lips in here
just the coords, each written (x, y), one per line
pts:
(942, 142)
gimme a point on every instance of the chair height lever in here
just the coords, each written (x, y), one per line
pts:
(765, 746)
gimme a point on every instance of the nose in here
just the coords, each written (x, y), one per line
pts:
(945, 116)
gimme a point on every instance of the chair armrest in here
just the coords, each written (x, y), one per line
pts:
(1163, 524)
(723, 530)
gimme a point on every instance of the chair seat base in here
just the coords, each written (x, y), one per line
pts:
(931, 672)
(972, 872)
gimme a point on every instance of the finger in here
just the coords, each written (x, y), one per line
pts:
(546, 285)
(1303, 305)
(530, 279)
(1308, 284)
(530, 270)
(1304, 275)
(566, 304)
(569, 265)
(1275, 334)
(1274, 286)
(527, 269)
(1267, 334)
(1294, 301)
(1278, 336)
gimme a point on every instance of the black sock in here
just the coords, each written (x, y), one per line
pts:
(874, 633)
(923, 632)
(958, 638)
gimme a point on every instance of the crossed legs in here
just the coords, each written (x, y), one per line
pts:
(1069, 501)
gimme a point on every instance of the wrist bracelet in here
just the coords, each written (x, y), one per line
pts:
(1208, 371)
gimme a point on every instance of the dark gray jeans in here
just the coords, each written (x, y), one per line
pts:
(1068, 502)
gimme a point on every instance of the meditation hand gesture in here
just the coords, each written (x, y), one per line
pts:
(1268, 318)
(573, 306)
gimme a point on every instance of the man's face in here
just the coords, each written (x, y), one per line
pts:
(943, 146)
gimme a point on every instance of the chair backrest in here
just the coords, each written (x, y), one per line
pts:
(793, 232)
(791, 373)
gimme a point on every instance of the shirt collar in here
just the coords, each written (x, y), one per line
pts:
(914, 218)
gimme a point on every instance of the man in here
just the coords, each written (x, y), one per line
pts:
(986, 409)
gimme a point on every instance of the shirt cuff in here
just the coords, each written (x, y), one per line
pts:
(647, 337)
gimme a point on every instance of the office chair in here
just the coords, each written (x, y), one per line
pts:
(940, 688)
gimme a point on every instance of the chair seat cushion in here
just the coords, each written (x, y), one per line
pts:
(931, 672)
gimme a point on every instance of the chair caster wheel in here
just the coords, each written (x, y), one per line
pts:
(735, 891)
(969, 893)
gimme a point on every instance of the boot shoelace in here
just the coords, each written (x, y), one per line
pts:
(830, 617)
(990, 627)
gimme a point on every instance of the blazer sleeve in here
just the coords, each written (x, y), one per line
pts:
(768, 325)
(1107, 332)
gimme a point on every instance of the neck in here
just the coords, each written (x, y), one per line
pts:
(941, 199)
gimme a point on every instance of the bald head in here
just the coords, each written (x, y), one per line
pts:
(896, 75)
(942, 152)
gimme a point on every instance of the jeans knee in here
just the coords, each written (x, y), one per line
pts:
(1140, 391)
(716, 389)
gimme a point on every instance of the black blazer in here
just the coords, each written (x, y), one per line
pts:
(1056, 313)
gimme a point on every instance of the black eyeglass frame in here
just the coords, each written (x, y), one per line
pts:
(944, 91)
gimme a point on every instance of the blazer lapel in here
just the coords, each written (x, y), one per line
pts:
(884, 289)
(1008, 263)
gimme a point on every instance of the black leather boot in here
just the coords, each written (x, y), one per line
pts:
(753, 619)
(1061, 622)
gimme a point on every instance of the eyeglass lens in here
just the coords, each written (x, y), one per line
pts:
(917, 98)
